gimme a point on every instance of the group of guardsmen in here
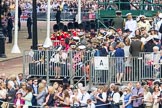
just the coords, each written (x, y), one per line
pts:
(74, 34)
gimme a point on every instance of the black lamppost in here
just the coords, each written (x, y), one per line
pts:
(2, 38)
(34, 37)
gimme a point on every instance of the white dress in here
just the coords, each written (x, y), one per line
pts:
(155, 98)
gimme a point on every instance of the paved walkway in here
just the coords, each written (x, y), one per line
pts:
(23, 42)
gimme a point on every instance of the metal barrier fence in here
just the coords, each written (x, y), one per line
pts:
(65, 16)
(84, 66)
(151, 65)
(54, 64)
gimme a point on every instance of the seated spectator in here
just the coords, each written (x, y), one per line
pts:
(11, 92)
(18, 102)
(41, 94)
(55, 86)
(74, 99)
(127, 102)
(137, 94)
(13, 78)
(83, 97)
(90, 104)
(155, 97)
(19, 78)
(49, 98)
(3, 92)
(101, 97)
(23, 88)
(66, 100)
(116, 97)
(28, 97)
(147, 97)
(58, 96)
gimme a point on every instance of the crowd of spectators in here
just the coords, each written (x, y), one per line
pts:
(66, 5)
(16, 92)
(87, 5)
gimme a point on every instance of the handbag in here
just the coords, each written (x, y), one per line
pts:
(5, 105)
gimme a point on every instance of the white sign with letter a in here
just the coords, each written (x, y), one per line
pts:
(101, 63)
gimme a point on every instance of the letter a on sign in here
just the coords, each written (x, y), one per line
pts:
(101, 62)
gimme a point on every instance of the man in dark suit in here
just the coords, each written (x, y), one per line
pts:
(58, 15)
(9, 27)
(11, 93)
(136, 47)
(29, 24)
(118, 22)
(19, 15)
(35, 91)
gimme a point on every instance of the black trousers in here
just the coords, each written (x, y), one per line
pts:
(29, 32)
(10, 36)
(58, 20)
(19, 24)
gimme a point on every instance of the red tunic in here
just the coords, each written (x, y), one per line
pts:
(59, 38)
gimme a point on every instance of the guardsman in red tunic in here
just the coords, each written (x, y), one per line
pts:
(55, 29)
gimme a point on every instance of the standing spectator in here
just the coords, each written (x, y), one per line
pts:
(130, 23)
(119, 54)
(9, 27)
(35, 91)
(128, 65)
(137, 94)
(127, 102)
(143, 23)
(28, 97)
(118, 22)
(29, 23)
(63, 57)
(42, 93)
(136, 47)
(11, 92)
(112, 50)
(58, 15)
(104, 50)
(159, 26)
(19, 16)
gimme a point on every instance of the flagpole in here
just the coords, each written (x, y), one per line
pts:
(15, 48)
(79, 12)
(48, 42)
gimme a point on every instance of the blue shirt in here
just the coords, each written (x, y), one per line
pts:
(119, 52)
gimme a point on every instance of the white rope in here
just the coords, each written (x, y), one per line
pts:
(78, 106)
